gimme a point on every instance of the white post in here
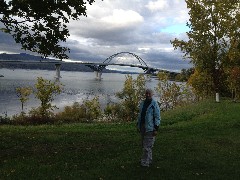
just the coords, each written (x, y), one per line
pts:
(58, 76)
(217, 97)
(217, 93)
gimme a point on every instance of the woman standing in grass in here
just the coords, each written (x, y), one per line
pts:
(148, 123)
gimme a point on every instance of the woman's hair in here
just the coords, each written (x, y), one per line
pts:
(149, 90)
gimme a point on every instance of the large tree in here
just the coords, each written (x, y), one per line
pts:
(214, 28)
(41, 25)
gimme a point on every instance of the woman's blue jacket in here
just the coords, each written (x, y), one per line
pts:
(152, 117)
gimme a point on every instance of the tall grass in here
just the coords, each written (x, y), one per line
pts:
(201, 141)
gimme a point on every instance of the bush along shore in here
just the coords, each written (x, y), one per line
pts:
(170, 94)
(200, 141)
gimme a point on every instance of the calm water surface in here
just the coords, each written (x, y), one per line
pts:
(78, 86)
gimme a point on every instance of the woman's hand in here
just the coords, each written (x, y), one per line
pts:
(154, 133)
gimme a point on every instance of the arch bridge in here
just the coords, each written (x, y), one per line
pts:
(98, 67)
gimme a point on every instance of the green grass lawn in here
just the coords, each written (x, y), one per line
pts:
(201, 141)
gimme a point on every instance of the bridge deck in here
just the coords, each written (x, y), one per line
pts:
(84, 63)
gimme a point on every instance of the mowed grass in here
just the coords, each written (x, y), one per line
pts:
(201, 141)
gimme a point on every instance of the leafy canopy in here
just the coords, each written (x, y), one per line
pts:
(214, 29)
(41, 25)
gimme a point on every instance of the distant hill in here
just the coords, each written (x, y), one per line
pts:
(45, 66)
(21, 56)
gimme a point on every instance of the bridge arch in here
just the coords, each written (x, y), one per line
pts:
(141, 61)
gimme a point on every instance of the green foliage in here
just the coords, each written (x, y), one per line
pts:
(5, 119)
(40, 26)
(213, 38)
(45, 92)
(74, 113)
(23, 94)
(184, 75)
(171, 93)
(234, 82)
(32, 118)
(113, 111)
(202, 84)
(131, 95)
(86, 112)
(93, 110)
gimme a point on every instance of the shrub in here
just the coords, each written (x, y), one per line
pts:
(113, 112)
(86, 112)
(173, 94)
(23, 94)
(46, 90)
(74, 113)
(5, 119)
(131, 95)
(93, 110)
(34, 118)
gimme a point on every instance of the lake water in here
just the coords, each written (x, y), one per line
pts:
(78, 86)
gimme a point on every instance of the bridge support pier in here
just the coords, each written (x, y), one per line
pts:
(98, 75)
(57, 76)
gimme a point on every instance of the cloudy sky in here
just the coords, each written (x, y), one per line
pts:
(142, 27)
